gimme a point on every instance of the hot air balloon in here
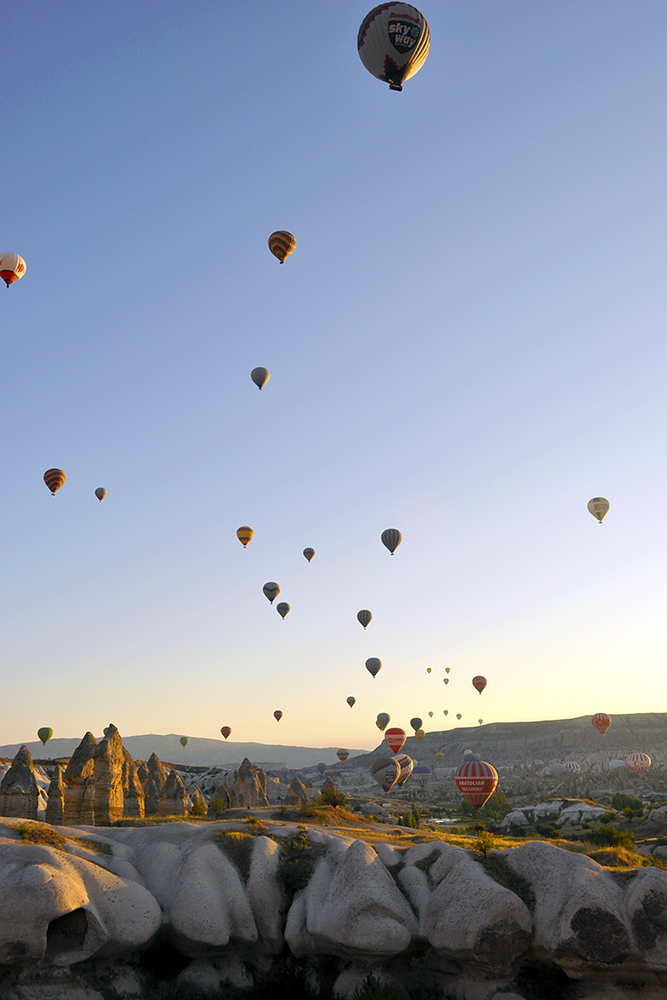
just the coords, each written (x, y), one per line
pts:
(321, 768)
(45, 734)
(422, 774)
(351, 700)
(602, 722)
(440, 756)
(557, 770)
(309, 553)
(638, 761)
(598, 507)
(364, 618)
(391, 538)
(382, 720)
(416, 723)
(277, 715)
(184, 740)
(445, 680)
(430, 715)
(428, 670)
(373, 665)
(393, 42)
(260, 377)
(342, 755)
(244, 534)
(445, 711)
(281, 244)
(54, 479)
(100, 493)
(615, 765)
(386, 771)
(447, 669)
(480, 721)
(420, 734)
(458, 716)
(226, 732)
(469, 755)
(12, 267)
(283, 609)
(395, 739)
(572, 767)
(479, 683)
(476, 781)
(406, 765)
(271, 591)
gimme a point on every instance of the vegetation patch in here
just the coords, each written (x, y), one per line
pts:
(98, 846)
(42, 833)
(238, 848)
(298, 857)
(256, 826)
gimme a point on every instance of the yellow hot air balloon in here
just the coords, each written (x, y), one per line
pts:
(428, 670)
(54, 479)
(420, 734)
(12, 267)
(440, 756)
(281, 244)
(393, 42)
(598, 507)
(342, 755)
(244, 534)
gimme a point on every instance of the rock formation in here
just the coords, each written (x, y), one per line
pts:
(55, 806)
(249, 788)
(79, 785)
(297, 795)
(174, 798)
(133, 793)
(19, 792)
(108, 760)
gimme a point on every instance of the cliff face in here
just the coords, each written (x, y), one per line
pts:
(233, 905)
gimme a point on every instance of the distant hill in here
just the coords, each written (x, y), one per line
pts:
(199, 751)
(506, 743)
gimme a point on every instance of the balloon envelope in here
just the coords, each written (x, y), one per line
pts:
(260, 376)
(458, 715)
(45, 734)
(321, 768)
(391, 538)
(440, 756)
(277, 715)
(12, 267)
(393, 42)
(447, 669)
(382, 720)
(420, 734)
(638, 761)
(309, 553)
(283, 609)
(364, 617)
(598, 507)
(373, 665)
(476, 781)
(351, 700)
(428, 670)
(386, 772)
(281, 244)
(271, 591)
(445, 680)
(342, 755)
(100, 493)
(416, 723)
(54, 479)
(601, 721)
(422, 773)
(395, 739)
(226, 731)
(572, 767)
(556, 770)
(406, 765)
(184, 740)
(479, 683)
(244, 534)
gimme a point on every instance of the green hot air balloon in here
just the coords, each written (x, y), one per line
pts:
(184, 740)
(45, 734)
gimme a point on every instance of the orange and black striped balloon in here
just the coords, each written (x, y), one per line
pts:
(281, 244)
(244, 534)
(54, 479)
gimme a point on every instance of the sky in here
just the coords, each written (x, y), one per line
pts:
(467, 344)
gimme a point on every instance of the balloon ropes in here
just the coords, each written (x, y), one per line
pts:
(12, 267)
(393, 42)
(598, 507)
(54, 479)
(602, 722)
(476, 781)
(281, 244)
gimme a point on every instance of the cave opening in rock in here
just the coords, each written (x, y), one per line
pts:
(545, 982)
(66, 933)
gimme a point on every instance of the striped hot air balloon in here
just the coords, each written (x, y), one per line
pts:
(281, 244)
(364, 617)
(572, 767)
(309, 553)
(226, 731)
(479, 683)
(476, 781)
(342, 754)
(244, 534)
(395, 739)
(391, 539)
(638, 761)
(12, 267)
(386, 772)
(54, 479)
(602, 722)
(406, 765)
(283, 609)
(393, 42)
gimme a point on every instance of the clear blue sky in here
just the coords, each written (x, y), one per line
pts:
(467, 344)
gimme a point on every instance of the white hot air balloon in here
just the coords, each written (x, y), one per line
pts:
(12, 267)
(393, 42)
